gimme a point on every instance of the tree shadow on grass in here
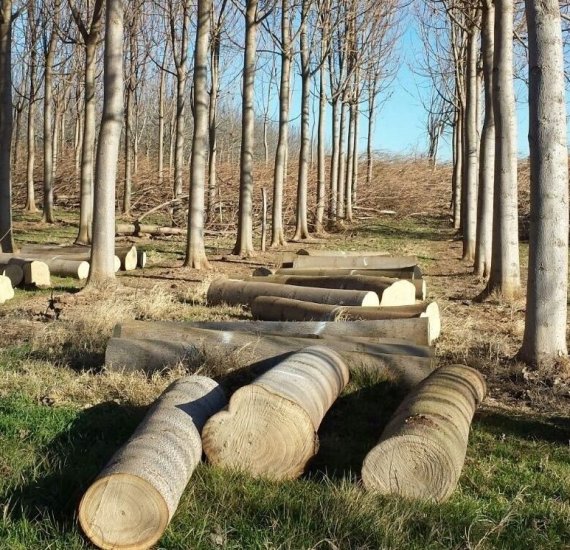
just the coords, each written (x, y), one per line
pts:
(53, 488)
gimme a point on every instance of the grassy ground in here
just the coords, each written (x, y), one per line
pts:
(62, 417)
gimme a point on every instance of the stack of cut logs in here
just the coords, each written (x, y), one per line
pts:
(33, 265)
(317, 320)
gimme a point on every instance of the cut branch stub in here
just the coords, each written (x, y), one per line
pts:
(269, 428)
(135, 496)
(422, 449)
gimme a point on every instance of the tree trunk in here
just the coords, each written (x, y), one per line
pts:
(321, 154)
(161, 91)
(180, 125)
(302, 227)
(269, 428)
(505, 271)
(422, 449)
(129, 98)
(213, 123)
(350, 160)
(483, 251)
(195, 247)
(31, 138)
(333, 206)
(340, 212)
(244, 241)
(277, 232)
(146, 477)
(458, 169)
(545, 321)
(103, 249)
(6, 237)
(470, 150)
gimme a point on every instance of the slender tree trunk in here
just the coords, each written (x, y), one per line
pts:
(213, 123)
(355, 167)
(103, 249)
(483, 252)
(505, 270)
(371, 105)
(470, 150)
(6, 237)
(545, 321)
(321, 176)
(458, 169)
(195, 247)
(180, 124)
(277, 232)
(31, 137)
(341, 161)
(333, 205)
(350, 161)
(302, 227)
(244, 242)
(88, 146)
(161, 122)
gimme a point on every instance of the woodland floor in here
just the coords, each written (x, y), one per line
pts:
(62, 416)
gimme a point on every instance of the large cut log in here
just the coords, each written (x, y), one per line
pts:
(270, 308)
(356, 262)
(269, 428)
(6, 289)
(135, 496)
(259, 351)
(404, 273)
(75, 253)
(128, 256)
(352, 253)
(391, 292)
(235, 292)
(14, 272)
(62, 267)
(36, 273)
(422, 449)
(413, 331)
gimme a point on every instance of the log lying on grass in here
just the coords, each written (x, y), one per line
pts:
(336, 253)
(6, 289)
(135, 496)
(404, 273)
(355, 262)
(74, 253)
(156, 230)
(36, 273)
(269, 428)
(414, 331)
(141, 258)
(128, 256)
(422, 449)
(403, 363)
(270, 308)
(60, 267)
(235, 292)
(14, 272)
(391, 292)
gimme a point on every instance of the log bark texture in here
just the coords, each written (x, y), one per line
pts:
(404, 273)
(356, 262)
(135, 496)
(269, 428)
(235, 292)
(422, 449)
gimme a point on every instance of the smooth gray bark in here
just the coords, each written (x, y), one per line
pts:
(546, 309)
(195, 247)
(103, 249)
(31, 137)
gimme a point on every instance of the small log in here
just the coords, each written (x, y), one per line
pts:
(422, 449)
(235, 292)
(6, 289)
(36, 273)
(62, 267)
(391, 292)
(154, 355)
(269, 428)
(356, 262)
(14, 272)
(128, 256)
(155, 230)
(405, 273)
(398, 332)
(346, 253)
(134, 498)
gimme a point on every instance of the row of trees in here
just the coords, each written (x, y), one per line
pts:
(470, 47)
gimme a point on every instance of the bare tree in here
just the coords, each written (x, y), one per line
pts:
(546, 310)
(103, 249)
(195, 247)
(6, 16)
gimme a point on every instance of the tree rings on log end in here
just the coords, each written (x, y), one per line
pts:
(123, 511)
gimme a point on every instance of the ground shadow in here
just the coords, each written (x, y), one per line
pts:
(71, 461)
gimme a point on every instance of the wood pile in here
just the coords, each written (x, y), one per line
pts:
(312, 327)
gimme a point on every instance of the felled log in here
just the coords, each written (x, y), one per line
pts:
(391, 292)
(36, 272)
(269, 308)
(269, 428)
(413, 331)
(6, 289)
(356, 262)
(156, 230)
(76, 253)
(404, 363)
(62, 267)
(322, 253)
(141, 258)
(128, 256)
(422, 449)
(14, 272)
(134, 498)
(235, 292)
(403, 273)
